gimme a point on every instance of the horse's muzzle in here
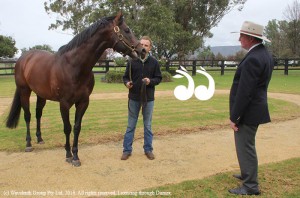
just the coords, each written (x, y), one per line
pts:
(143, 53)
(138, 53)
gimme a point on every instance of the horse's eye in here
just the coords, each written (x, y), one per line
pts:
(127, 30)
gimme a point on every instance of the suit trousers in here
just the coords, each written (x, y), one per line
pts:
(246, 154)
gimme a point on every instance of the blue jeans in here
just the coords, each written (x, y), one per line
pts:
(133, 115)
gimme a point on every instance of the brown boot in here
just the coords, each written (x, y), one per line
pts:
(125, 156)
(150, 155)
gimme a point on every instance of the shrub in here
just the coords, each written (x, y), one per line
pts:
(117, 77)
(166, 76)
(120, 61)
(114, 77)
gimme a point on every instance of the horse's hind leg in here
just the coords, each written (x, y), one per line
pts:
(40, 104)
(24, 95)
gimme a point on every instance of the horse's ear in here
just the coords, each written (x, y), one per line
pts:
(118, 18)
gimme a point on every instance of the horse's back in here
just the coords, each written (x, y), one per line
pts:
(33, 59)
(33, 68)
(51, 77)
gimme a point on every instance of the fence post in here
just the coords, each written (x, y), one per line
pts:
(286, 67)
(106, 66)
(222, 67)
(168, 65)
(194, 68)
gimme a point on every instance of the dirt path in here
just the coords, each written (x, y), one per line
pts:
(179, 158)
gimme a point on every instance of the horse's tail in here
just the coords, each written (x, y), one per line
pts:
(15, 110)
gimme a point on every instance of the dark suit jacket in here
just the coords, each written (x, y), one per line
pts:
(248, 94)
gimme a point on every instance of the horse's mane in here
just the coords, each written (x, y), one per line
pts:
(86, 34)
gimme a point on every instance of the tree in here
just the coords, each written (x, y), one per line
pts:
(206, 53)
(197, 18)
(76, 15)
(42, 47)
(285, 35)
(176, 26)
(38, 47)
(159, 24)
(292, 15)
(240, 55)
(276, 31)
(219, 56)
(7, 47)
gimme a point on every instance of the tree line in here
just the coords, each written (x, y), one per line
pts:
(177, 27)
(285, 35)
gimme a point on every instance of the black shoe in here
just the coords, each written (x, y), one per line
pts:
(243, 191)
(150, 155)
(125, 156)
(237, 176)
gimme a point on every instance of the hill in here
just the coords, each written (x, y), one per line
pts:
(226, 50)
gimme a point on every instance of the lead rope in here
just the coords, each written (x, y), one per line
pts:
(143, 89)
(130, 79)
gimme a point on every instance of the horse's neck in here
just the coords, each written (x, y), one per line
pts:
(86, 56)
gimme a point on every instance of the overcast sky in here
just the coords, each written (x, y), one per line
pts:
(27, 22)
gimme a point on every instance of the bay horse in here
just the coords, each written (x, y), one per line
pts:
(67, 77)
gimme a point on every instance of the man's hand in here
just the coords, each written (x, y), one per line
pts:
(146, 80)
(129, 84)
(233, 126)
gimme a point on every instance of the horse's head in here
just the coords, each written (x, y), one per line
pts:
(125, 41)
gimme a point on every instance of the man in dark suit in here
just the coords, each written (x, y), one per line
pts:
(248, 103)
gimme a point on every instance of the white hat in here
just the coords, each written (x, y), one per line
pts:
(253, 29)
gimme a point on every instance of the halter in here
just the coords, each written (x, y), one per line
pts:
(130, 48)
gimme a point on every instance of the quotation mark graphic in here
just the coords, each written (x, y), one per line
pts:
(201, 92)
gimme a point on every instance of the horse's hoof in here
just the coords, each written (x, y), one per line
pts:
(76, 163)
(69, 159)
(28, 149)
(41, 142)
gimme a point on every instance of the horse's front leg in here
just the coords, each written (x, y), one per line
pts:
(65, 112)
(40, 104)
(80, 110)
(25, 94)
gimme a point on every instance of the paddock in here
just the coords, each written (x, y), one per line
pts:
(181, 155)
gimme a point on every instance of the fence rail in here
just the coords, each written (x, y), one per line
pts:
(7, 66)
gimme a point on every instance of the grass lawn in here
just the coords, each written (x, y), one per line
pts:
(277, 180)
(279, 83)
(105, 120)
